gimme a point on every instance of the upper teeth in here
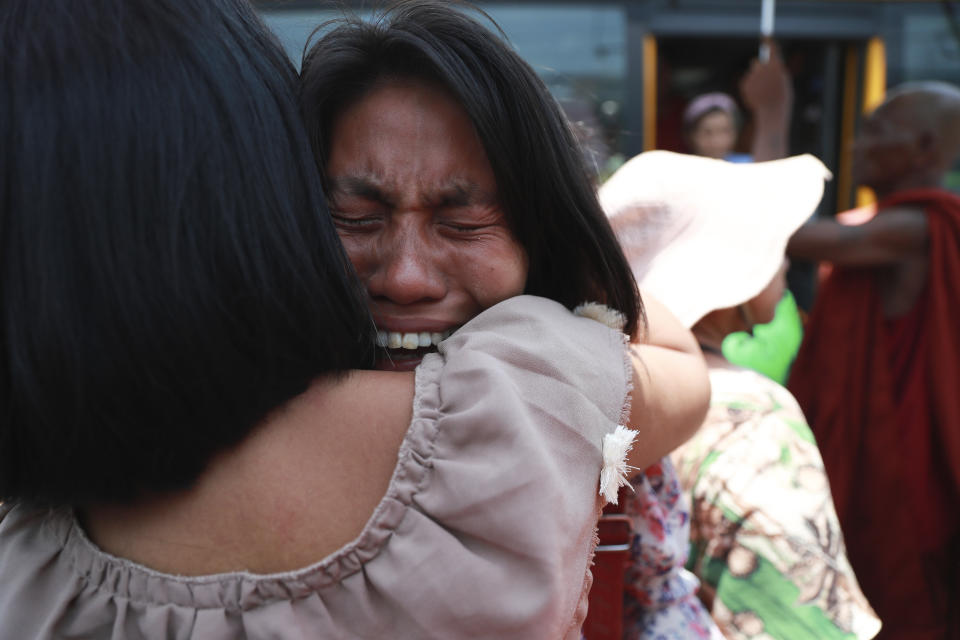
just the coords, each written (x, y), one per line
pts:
(397, 340)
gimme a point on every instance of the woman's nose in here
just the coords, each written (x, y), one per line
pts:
(409, 271)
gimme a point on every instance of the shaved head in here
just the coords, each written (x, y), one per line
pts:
(933, 107)
(911, 140)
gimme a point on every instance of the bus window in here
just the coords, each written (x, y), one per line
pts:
(578, 49)
(580, 52)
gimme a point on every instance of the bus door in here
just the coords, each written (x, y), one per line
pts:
(834, 83)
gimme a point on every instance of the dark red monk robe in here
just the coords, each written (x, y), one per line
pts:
(883, 399)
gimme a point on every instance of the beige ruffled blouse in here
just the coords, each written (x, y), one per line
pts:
(486, 531)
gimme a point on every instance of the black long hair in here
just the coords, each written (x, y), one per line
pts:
(168, 270)
(543, 184)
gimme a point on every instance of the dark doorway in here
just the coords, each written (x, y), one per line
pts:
(690, 66)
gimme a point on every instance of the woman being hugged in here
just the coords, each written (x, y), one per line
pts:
(455, 182)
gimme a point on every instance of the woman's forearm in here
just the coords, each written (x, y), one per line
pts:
(671, 394)
(671, 390)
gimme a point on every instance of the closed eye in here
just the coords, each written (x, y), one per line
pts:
(465, 227)
(345, 220)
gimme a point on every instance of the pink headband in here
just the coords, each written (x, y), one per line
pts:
(704, 104)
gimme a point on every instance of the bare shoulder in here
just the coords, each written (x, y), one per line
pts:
(298, 488)
(312, 476)
(359, 418)
(334, 454)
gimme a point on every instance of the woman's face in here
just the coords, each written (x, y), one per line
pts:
(714, 135)
(415, 201)
(762, 307)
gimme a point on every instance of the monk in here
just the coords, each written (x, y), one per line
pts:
(878, 374)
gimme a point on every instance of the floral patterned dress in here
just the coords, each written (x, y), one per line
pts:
(765, 539)
(660, 601)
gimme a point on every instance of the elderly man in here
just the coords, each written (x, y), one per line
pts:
(879, 372)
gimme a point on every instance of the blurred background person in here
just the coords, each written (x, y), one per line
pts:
(708, 238)
(712, 122)
(879, 368)
(712, 127)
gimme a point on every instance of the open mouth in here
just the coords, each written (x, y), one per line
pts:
(403, 351)
(410, 341)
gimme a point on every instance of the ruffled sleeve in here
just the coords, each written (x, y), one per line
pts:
(526, 395)
(502, 469)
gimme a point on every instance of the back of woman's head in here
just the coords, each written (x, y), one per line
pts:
(168, 272)
(543, 184)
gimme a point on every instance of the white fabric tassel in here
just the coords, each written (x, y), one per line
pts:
(602, 314)
(616, 446)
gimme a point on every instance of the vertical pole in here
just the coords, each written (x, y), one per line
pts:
(649, 92)
(767, 12)
(634, 116)
(874, 90)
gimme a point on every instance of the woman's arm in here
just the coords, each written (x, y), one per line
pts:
(671, 390)
(767, 90)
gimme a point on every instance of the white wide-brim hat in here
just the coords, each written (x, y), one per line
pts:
(703, 234)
